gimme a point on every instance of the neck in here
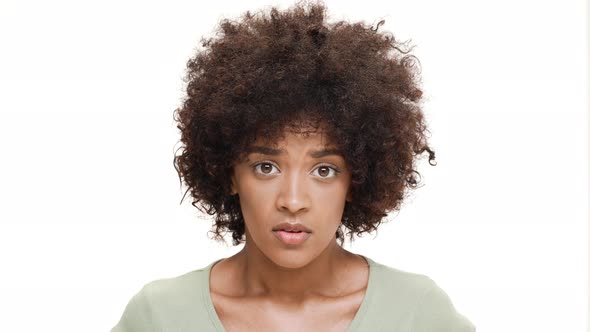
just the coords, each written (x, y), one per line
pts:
(326, 275)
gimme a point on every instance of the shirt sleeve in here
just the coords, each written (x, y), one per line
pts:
(436, 313)
(138, 315)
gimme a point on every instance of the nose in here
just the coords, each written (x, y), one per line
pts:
(293, 196)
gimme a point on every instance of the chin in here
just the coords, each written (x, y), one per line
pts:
(291, 259)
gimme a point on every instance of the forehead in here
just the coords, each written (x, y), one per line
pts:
(310, 142)
(314, 138)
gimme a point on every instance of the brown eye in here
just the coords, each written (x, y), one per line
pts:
(264, 168)
(325, 172)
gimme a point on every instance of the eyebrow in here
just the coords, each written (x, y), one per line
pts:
(275, 152)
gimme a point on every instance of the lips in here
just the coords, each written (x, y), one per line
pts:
(291, 234)
(291, 238)
(291, 228)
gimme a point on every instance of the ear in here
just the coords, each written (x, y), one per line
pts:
(349, 196)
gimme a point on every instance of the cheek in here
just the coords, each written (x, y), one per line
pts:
(329, 205)
(256, 203)
(334, 193)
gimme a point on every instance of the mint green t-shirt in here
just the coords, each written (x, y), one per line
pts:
(394, 300)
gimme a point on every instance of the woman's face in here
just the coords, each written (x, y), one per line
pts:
(302, 182)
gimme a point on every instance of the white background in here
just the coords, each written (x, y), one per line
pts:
(89, 199)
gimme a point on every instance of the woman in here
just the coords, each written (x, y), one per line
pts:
(295, 133)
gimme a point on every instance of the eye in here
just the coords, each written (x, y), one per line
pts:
(264, 168)
(325, 171)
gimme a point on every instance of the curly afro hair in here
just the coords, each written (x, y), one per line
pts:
(274, 70)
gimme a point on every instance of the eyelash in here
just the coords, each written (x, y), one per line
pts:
(255, 168)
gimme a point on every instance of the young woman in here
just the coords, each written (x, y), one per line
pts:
(295, 134)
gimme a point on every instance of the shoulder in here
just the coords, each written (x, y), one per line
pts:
(415, 301)
(392, 280)
(436, 312)
(175, 291)
(163, 304)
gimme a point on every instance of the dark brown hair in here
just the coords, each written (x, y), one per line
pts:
(272, 70)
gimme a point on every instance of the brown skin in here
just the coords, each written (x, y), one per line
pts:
(292, 187)
(316, 285)
(264, 71)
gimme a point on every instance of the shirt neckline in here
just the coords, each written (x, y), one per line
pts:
(354, 324)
